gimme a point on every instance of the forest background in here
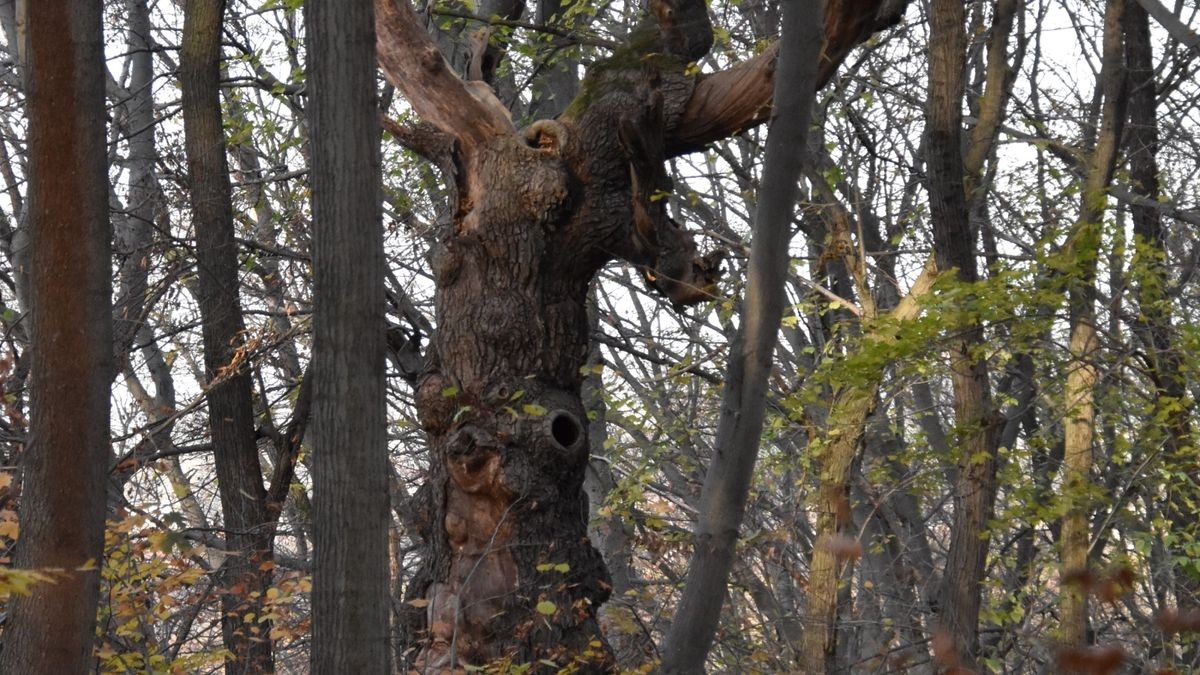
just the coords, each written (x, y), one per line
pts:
(978, 448)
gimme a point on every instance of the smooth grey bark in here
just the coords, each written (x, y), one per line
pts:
(350, 463)
(727, 484)
(135, 229)
(133, 238)
(64, 466)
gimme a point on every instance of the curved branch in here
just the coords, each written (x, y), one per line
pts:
(725, 103)
(738, 98)
(411, 61)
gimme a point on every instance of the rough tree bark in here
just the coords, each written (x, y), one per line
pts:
(64, 466)
(1155, 328)
(752, 353)
(246, 572)
(350, 466)
(1082, 254)
(510, 575)
(953, 182)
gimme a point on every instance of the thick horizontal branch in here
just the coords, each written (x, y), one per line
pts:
(738, 98)
(725, 103)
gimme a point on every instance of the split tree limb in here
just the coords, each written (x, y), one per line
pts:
(411, 61)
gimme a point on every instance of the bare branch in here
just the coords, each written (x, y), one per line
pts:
(422, 138)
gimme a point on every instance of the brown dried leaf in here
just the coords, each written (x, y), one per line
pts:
(1098, 660)
(844, 548)
(1172, 621)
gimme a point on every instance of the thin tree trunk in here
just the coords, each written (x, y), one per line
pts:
(64, 466)
(245, 574)
(1083, 249)
(954, 184)
(955, 251)
(723, 499)
(610, 533)
(133, 237)
(847, 417)
(1152, 278)
(350, 463)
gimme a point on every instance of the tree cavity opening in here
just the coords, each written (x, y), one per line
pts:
(565, 429)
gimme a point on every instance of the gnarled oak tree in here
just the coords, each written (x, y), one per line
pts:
(537, 212)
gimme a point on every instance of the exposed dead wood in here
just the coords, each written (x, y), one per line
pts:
(411, 61)
(725, 103)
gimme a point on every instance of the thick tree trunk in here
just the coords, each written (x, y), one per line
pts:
(245, 574)
(350, 468)
(64, 466)
(514, 576)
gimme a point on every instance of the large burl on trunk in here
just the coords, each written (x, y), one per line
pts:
(510, 573)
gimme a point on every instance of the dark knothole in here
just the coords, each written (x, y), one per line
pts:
(565, 429)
